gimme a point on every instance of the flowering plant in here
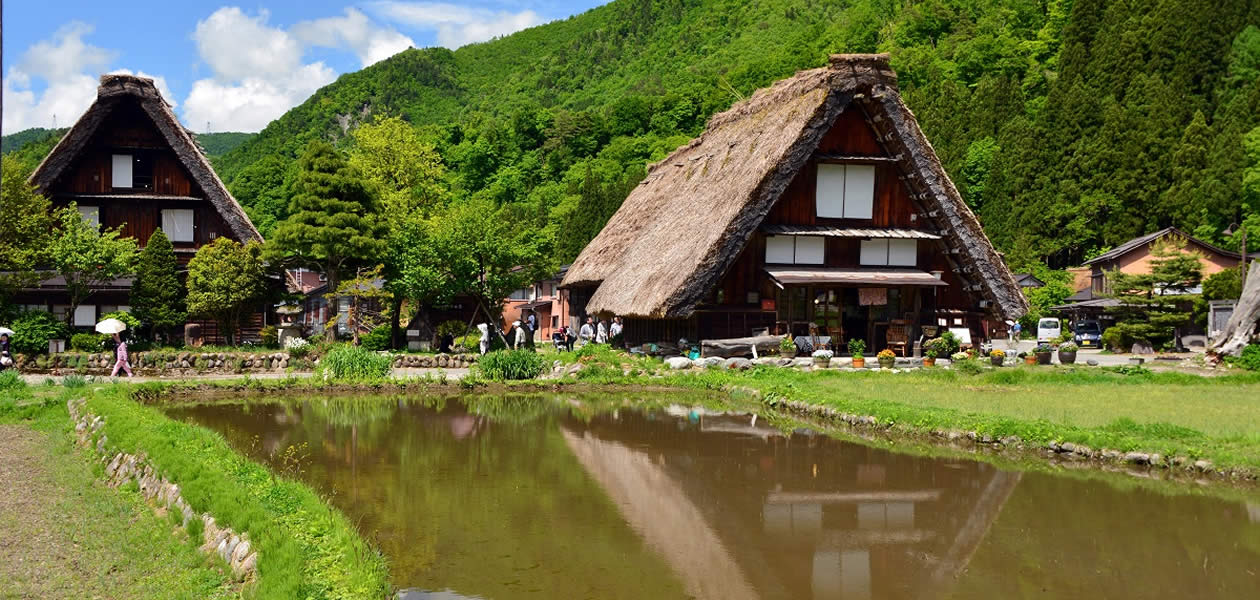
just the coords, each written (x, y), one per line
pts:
(995, 353)
(959, 356)
(886, 353)
(823, 354)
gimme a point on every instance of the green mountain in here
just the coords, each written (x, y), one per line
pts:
(31, 145)
(16, 141)
(218, 144)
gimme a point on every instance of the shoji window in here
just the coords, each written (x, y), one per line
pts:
(122, 171)
(177, 223)
(895, 253)
(795, 249)
(845, 191)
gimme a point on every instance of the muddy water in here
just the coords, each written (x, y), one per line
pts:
(518, 497)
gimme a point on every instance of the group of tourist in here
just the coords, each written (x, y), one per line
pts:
(594, 330)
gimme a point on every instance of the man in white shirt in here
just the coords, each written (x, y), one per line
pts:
(615, 329)
(587, 332)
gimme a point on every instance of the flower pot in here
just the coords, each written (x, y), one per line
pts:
(1031, 359)
(996, 360)
(887, 363)
(1066, 357)
(1043, 358)
(821, 363)
(788, 353)
(929, 361)
(859, 362)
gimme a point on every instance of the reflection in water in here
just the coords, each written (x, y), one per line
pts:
(520, 497)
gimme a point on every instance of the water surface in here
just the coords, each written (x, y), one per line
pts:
(551, 497)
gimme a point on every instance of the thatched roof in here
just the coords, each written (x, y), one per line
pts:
(113, 91)
(677, 233)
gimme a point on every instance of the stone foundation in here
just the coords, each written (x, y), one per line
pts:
(157, 363)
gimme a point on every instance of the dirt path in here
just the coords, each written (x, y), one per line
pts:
(65, 535)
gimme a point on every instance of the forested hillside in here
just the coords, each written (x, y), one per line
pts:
(31, 145)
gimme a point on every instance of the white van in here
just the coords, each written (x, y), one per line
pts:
(1048, 329)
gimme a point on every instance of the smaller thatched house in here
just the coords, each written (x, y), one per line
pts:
(817, 201)
(128, 163)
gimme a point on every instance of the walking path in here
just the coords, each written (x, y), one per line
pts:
(403, 373)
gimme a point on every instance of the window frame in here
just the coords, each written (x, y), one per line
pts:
(171, 232)
(833, 187)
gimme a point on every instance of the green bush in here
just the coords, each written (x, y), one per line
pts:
(504, 365)
(88, 342)
(33, 329)
(354, 363)
(1250, 358)
(133, 324)
(377, 339)
(269, 336)
(9, 381)
(73, 381)
(970, 366)
(1116, 339)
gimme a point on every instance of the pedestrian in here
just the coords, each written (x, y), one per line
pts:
(519, 340)
(6, 352)
(121, 351)
(601, 332)
(614, 330)
(533, 324)
(484, 328)
(1013, 339)
(557, 339)
(587, 333)
(569, 338)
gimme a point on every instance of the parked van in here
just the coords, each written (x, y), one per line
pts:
(1048, 329)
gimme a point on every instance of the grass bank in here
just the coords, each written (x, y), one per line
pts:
(68, 536)
(306, 548)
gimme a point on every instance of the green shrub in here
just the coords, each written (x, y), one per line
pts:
(88, 342)
(33, 329)
(969, 366)
(73, 381)
(1250, 358)
(133, 324)
(354, 363)
(269, 336)
(377, 339)
(10, 380)
(504, 365)
(1116, 339)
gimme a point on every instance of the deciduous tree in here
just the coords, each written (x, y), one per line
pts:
(86, 256)
(225, 279)
(25, 228)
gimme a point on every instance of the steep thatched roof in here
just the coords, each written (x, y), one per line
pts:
(677, 232)
(114, 90)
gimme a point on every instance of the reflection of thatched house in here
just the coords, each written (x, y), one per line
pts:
(127, 162)
(816, 200)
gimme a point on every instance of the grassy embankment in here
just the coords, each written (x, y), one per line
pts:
(306, 548)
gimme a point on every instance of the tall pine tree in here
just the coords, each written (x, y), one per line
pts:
(157, 297)
(333, 225)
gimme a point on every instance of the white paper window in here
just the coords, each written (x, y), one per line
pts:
(85, 315)
(178, 224)
(91, 215)
(122, 171)
(845, 191)
(810, 250)
(874, 252)
(903, 253)
(780, 249)
(829, 196)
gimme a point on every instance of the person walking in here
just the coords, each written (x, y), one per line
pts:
(6, 352)
(601, 332)
(614, 330)
(520, 338)
(1012, 340)
(569, 338)
(484, 342)
(121, 351)
(587, 333)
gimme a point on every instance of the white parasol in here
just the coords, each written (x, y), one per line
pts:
(6, 331)
(111, 326)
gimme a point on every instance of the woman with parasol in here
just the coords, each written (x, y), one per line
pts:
(6, 356)
(115, 327)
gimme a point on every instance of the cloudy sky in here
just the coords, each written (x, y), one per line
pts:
(235, 67)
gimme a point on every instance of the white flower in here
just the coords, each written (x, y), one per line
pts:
(295, 342)
(823, 354)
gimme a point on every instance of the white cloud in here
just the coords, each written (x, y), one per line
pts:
(259, 73)
(456, 25)
(368, 41)
(66, 64)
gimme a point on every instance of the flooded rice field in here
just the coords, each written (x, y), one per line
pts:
(553, 497)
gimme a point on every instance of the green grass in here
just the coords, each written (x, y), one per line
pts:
(306, 549)
(81, 539)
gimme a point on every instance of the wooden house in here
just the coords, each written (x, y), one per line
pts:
(816, 201)
(128, 163)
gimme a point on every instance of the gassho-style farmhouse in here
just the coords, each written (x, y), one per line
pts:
(817, 202)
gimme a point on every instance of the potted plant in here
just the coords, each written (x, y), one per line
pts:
(1029, 359)
(1043, 353)
(929, 357)
(856, 348)
(822, 358)
(787, 346)
(886, 358)
(997, 357)
(1067, 353)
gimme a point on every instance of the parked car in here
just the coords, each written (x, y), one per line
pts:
(1088, 334)
(1048, 330)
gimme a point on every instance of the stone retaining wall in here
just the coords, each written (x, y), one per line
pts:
(434, 361)
(121, 468)
(156, 363)
(804, 362)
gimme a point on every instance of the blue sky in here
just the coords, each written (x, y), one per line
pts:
(234, 66)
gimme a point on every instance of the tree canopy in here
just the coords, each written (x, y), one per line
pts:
(224, 280)
(157, 297)
(87, 256)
